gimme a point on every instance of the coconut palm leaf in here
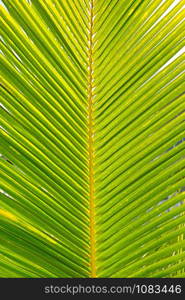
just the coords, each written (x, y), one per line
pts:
(92, 139)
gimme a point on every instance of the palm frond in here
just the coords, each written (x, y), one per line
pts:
(92, 139)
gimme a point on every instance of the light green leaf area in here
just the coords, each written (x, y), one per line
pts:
(92, 156)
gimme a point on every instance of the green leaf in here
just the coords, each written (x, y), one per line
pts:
(92, 139)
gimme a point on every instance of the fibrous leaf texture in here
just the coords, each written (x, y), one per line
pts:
(92, 138)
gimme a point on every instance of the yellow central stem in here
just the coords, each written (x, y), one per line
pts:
(91, 149)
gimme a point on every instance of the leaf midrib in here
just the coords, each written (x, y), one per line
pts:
(91, 146)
